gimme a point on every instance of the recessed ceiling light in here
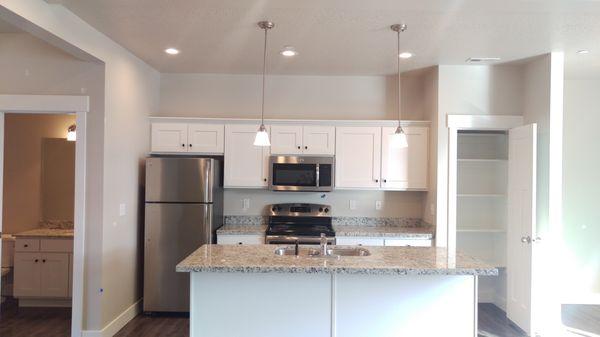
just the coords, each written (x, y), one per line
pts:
(289, 51)
(172, 51)
(405, 55)
(583, 51)
(482, 59)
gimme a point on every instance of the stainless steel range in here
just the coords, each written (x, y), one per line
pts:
(299, 223)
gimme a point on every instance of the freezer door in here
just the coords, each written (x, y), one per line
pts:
(180, 179)
(172, 232)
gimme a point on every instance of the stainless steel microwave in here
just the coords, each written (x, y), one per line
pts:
(299, 173)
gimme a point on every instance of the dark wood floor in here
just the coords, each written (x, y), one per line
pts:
(56, 322)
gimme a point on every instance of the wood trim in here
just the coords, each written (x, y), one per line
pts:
(288, 121)
(44, 103)
(483, 122)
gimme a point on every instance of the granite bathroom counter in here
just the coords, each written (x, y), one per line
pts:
(382, 261)
(233, 229)
(399, 232)
(46, 233)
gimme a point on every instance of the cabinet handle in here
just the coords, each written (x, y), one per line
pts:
(44, 261)
(239, 243)
(265, 179)
(182, 145)
(385, 180)
(190, 145)
(376, 180)
(306, 147)
(25, 245)
(36, 260)
(299, 147)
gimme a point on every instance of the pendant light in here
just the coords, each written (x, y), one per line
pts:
(262, 136)
(399, 137)
(72, 133)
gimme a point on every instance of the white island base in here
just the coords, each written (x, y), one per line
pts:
(276, 304)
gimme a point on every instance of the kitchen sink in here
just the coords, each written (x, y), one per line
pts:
(314, 252)
(350, 251)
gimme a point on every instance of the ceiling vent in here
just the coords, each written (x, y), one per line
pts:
(482, 59)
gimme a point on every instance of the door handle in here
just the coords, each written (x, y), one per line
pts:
(526, 239)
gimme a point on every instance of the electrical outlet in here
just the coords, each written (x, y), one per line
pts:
(122, 209)
(246, 204)
(352, 204)
(378, 205)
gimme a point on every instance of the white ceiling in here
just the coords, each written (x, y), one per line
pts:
(344, 37)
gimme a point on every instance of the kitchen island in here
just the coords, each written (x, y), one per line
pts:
(248, 290)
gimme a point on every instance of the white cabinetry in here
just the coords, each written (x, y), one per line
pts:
(299, 139)
(246, 165)
(43, 268)
(358, 157)
(366, 159)
(405, 168)
(187, 138)
(246, 239)
(381, 241)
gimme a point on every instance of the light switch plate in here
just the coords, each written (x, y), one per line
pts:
(246, 204)
(378, 205)
(122, 209)
(352, 204)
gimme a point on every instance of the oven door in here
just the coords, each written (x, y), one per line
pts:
(304, 174)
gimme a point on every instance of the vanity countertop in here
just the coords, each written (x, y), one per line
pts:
(46, 233)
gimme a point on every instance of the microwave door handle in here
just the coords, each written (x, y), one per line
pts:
(318, 174)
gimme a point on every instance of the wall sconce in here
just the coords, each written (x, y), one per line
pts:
(72, 133)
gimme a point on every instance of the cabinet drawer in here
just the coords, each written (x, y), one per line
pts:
(56, 245)
(27, 245)
(408, 242)
(240, 239)
(358, 241)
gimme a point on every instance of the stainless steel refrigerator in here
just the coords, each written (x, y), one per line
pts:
(184, 207)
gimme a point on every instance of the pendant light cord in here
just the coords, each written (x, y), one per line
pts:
(262, 113)
(399, 88)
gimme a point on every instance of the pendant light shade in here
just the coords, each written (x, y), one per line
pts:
(72, 133)
(399, 139)
(262, 136)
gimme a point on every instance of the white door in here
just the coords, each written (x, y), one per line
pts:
(246, 165)
(405, 168)
(206, 138)
(521, 234)
(1, 180)
(169, 137)
(319, 140)
(55, 275)
(358, 157)
(27, 274)
(286, 139)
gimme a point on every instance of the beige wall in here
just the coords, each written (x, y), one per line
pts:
(23, 200)
(130, 95)
(58, 179)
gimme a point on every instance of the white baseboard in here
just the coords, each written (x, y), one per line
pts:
(117, 324)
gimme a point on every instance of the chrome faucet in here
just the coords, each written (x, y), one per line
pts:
(323, 244)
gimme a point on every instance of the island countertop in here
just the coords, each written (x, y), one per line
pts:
(382, 261)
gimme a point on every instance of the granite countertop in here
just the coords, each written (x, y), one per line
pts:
(382, 261)
(46, 233)
(242, 229)
(425, 232)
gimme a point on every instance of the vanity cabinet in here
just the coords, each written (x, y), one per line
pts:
(192, 138)
(302, 139)
(246, 165)
(367, 159)
(42, 268)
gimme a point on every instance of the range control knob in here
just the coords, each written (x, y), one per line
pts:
(274, 209)
(320, 209)
(326, 210)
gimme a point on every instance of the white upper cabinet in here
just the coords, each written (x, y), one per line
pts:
(298, 139)
(206, 138)
(286, 139)
(318, 140)
(358, 157)
(169, 137)
(405, 168)
(188, 138)
(246, 165)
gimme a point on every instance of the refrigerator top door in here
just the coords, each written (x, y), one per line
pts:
(182, 180)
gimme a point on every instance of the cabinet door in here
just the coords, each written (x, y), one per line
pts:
(169, 137)
(27, 274)
(408, 242)
(206, 138)
(405, 168)
(358, 241)
(357, 157)
(55, 275)
(319, 140)
(286, 139)
(246, 165)
(240, 239)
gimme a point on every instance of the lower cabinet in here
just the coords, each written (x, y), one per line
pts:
(240, 239)
(382, 241)
(43, 274)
